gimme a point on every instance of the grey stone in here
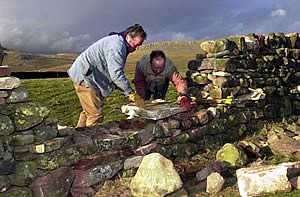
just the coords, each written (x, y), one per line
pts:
(17, 192)
(17, 95)
(26, 172)
(133, 162)
(6, 125)
(215, 183)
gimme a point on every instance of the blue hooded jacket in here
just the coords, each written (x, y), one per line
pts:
(101, 66)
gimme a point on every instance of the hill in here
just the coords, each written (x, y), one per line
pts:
(180, 52)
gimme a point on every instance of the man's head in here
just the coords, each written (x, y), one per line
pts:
(157, 61)
(135, 36)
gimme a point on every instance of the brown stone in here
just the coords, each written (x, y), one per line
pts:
(57, 183)
(98, 159)
(4, 71)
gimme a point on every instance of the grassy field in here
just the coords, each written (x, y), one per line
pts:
(179, 52)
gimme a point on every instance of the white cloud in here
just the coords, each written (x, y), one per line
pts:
(278, 13)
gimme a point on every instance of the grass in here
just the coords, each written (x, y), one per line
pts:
(60, 96)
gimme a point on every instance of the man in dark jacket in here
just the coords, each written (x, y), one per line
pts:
(152, 75)
(100, 68)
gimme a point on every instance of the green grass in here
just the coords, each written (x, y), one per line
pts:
(60, 96)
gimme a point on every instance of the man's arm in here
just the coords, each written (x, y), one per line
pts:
(115, 62)
(179, 82)
(139, 81)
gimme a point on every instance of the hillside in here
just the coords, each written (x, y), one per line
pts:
(180, 52)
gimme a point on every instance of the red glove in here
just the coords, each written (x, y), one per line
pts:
(185, 103)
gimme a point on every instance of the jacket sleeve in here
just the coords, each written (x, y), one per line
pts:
(139, 81)
(115, 63)
(179, 82)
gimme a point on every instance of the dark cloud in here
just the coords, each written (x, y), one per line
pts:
(53, 26)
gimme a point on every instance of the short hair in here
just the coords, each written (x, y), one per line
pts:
(136, 31)
(157, 53)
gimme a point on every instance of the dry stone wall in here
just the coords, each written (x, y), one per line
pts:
(237, 82)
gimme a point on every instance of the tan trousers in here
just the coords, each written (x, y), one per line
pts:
(92, 103)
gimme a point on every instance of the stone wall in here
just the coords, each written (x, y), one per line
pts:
(253, 71)
(237, 83)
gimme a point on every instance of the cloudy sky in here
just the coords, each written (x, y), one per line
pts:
(54, 26)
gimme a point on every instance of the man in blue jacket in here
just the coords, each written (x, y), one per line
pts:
(100, 68)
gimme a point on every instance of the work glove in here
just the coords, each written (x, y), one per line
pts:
(138, 101)
(184, 102)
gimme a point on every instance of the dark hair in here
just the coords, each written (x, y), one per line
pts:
(157, 53)
(135, 31)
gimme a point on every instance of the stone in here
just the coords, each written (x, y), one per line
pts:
(233, 155)
(153, 111)
(3, 94)
(7, 167)
(220, 64)
(265, 179)
(156, 176)
(20, 140)
(48, 146)
(4, 70)
(18, 95)
(4, 183)
(198, 132)
(97, 174)
(100, 158)
(133, 162)
(26, 172)
(143, 150)
(64, 157)
(215, 183)
(6, 125)
(295, 182)
(56, 183)
(29, 114)
(109, 141)
(65, 131)
(7, 83)
(43, 133)
(250, 148)
(26, 156)
(216, 166)
(17, 192)
(21, 149)
(283, 145)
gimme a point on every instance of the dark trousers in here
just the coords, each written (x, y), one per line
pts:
(157, 91)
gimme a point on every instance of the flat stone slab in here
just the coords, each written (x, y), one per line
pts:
(153, 111)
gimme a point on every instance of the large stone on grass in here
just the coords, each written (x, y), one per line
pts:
(266, 178)
(215, 183)
(233, 155)
(156, 176)
(26, 172)
(27, 115)
(7, 83)
(56, 183)
(17, 192)
(6, 125)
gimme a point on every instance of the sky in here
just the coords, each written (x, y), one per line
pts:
(56, 26)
